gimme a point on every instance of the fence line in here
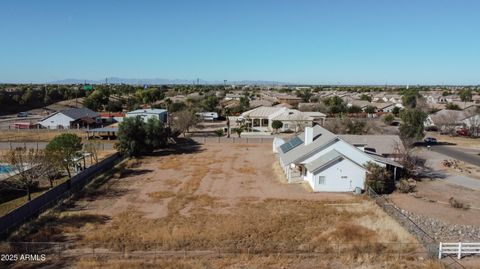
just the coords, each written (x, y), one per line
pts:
(246, 140)
(41, 145)
(16, 217)
(458, 248)
(430, 244)
(64, 249)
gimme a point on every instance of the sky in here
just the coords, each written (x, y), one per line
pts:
(299, 41)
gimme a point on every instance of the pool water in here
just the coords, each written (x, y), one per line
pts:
(5, 169)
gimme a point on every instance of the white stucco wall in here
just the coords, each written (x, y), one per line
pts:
(55, 121)
(343, 176)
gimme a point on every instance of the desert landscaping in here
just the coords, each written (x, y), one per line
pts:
(221, 205)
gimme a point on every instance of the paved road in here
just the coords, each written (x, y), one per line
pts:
(434, 160)
(469, 156)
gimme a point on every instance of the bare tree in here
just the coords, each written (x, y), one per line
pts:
(30, 166)
(447, 122)
(184, 120)
(406, 156)
(91, 147)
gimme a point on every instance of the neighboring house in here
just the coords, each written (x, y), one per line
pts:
(386, 107)
(71, 118)
(146, 114)
(445, 119)
(260, 119)
(360, 103)
(328, 163)
(233, 96)
(112, 117)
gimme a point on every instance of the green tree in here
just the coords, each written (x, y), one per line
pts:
(244, 102)
(239, 131)
(131, 137)
(370, 109)
(409, 98)
(388, 119)
(466, 95)
(219, 132)
(452, 106)
(366, 97)
(396, 110)
(210, 103)
(335, 104)
(412, 125)
(354, 109)
(305, 94)
(114, 106)
(276, 125)
(63, 149)
(156, 135)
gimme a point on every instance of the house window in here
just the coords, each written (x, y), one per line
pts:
(265, 122)
(321, 180)
(285, 126)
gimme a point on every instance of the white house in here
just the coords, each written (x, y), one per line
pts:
(260, 119)
(328, 163)
(146, 114)
(71, 118)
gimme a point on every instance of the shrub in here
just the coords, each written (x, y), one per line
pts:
(406, 185)
(219, 132)
(276, 124)
(377, 177)
(457, 204)
(388, 119)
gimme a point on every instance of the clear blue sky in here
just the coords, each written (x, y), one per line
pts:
(329, 41)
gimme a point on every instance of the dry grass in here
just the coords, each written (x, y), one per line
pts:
(159, 195)
(33, 135)
(173, 182)
(359, 235)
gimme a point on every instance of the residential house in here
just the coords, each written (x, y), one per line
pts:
(71, 118)
(333, 163)
(260, 119)
(146, 114)
(445, 119)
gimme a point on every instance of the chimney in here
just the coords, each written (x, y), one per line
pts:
(308, 135)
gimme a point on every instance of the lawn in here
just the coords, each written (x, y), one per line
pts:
(227, 198)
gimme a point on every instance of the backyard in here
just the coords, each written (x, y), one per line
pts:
(227, 199)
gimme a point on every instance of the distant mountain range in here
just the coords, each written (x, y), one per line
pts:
(161, 81)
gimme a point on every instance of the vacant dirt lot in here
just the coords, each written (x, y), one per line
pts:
(432, 200)
(230, 198)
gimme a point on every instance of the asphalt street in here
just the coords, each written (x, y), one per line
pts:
(469, 156)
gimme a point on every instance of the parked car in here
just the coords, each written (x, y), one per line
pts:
(22, 114)
(463, 132)
(430, 140)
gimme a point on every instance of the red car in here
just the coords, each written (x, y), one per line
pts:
(463, 132)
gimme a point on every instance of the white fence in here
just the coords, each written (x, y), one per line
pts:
(458, 248)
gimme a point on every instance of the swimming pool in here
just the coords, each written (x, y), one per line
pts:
(5, 169)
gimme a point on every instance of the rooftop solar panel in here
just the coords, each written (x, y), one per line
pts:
(291, 144)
